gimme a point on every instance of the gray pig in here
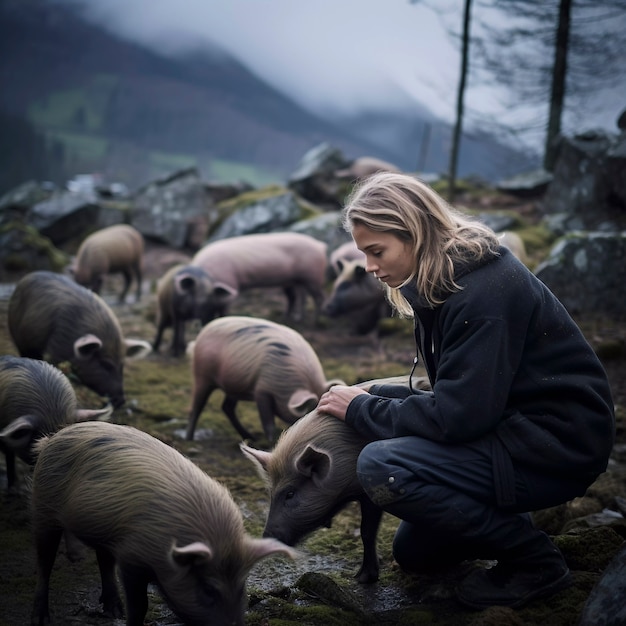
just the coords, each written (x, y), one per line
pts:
(311, 476)
(54, 319)
(183, 293)
(36, 399)
(114, 250)
(149, 510)
(294, 262)
(259, 360)
(357, 293)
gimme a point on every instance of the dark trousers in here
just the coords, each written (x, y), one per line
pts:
(447, 498)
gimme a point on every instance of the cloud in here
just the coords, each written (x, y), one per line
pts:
(326, 54)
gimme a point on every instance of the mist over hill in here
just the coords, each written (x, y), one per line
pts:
(114, 107)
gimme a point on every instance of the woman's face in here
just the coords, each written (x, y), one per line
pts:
(388, 257)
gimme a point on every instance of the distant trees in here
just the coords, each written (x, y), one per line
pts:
(25, 154)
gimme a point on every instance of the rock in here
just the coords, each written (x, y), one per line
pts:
(587, 272)
(605, 605)
(167, 210)
(527, 185)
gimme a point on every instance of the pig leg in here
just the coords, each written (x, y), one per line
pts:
(178, 340)
(127, 280)
(157, 338)
(228, 406)
(265, 404)
(370, 521)
(294, 303)
(138, 278)
(47, 542)
(135, 583)
(200, 397)
(110, 598)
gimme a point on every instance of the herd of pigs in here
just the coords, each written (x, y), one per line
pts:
(172, 524)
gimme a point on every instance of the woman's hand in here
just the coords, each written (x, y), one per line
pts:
(336, 400)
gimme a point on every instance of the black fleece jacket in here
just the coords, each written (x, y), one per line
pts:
(506, 361)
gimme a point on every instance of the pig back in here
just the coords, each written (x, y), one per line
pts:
(49, 315)
(246, 355)
(110, 249)
(265, 260)
(116, 485)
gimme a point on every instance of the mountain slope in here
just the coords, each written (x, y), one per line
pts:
(132, 115)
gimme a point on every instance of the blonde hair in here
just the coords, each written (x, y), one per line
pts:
(440, 236)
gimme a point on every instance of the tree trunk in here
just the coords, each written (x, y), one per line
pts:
(557, 94)
(458, 126)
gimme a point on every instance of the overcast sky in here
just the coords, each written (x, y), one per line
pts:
(327, 54)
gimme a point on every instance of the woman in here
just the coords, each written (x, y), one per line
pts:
(520, 416)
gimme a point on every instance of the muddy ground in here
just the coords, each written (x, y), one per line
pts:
(319, 588)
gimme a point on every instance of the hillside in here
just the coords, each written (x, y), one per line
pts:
(133, 115)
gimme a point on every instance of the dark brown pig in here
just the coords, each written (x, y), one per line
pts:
(292, 261)
(311, 476)
(52, 318)
(257, 360)
(340, 256)
(149, 510)
(183, 293)
(36, 399)
(358, 294)
(114, 250)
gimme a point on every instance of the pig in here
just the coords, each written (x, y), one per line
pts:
(341, 255)
(293, 261)
(114, 250)
(357, 293)
(363, 167)
(52, 318)
(259, 360)
(146, 508)
(183, 293)
(311, 476)
(36, 399)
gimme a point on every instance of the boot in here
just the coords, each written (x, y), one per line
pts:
(532, 570)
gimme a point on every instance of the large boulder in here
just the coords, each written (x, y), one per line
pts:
(587, 272)
(588, 188)
(171, 209)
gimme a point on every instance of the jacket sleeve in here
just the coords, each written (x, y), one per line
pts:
(478, 359)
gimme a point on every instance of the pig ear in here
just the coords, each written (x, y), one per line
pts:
(313, 463)
(86, 345)
(137, 348)
(18, 433)
(103, 415)
(184, 282)
(301, 402)
(359, 272)
(222, 290)
(260, 548)
(194, 553)
(260, 458)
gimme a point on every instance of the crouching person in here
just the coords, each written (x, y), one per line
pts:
(520, 416)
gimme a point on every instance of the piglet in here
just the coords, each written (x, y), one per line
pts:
(255, 359)
(149, 510)
(117, 249)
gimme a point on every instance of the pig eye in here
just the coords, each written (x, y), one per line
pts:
(290, 494)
